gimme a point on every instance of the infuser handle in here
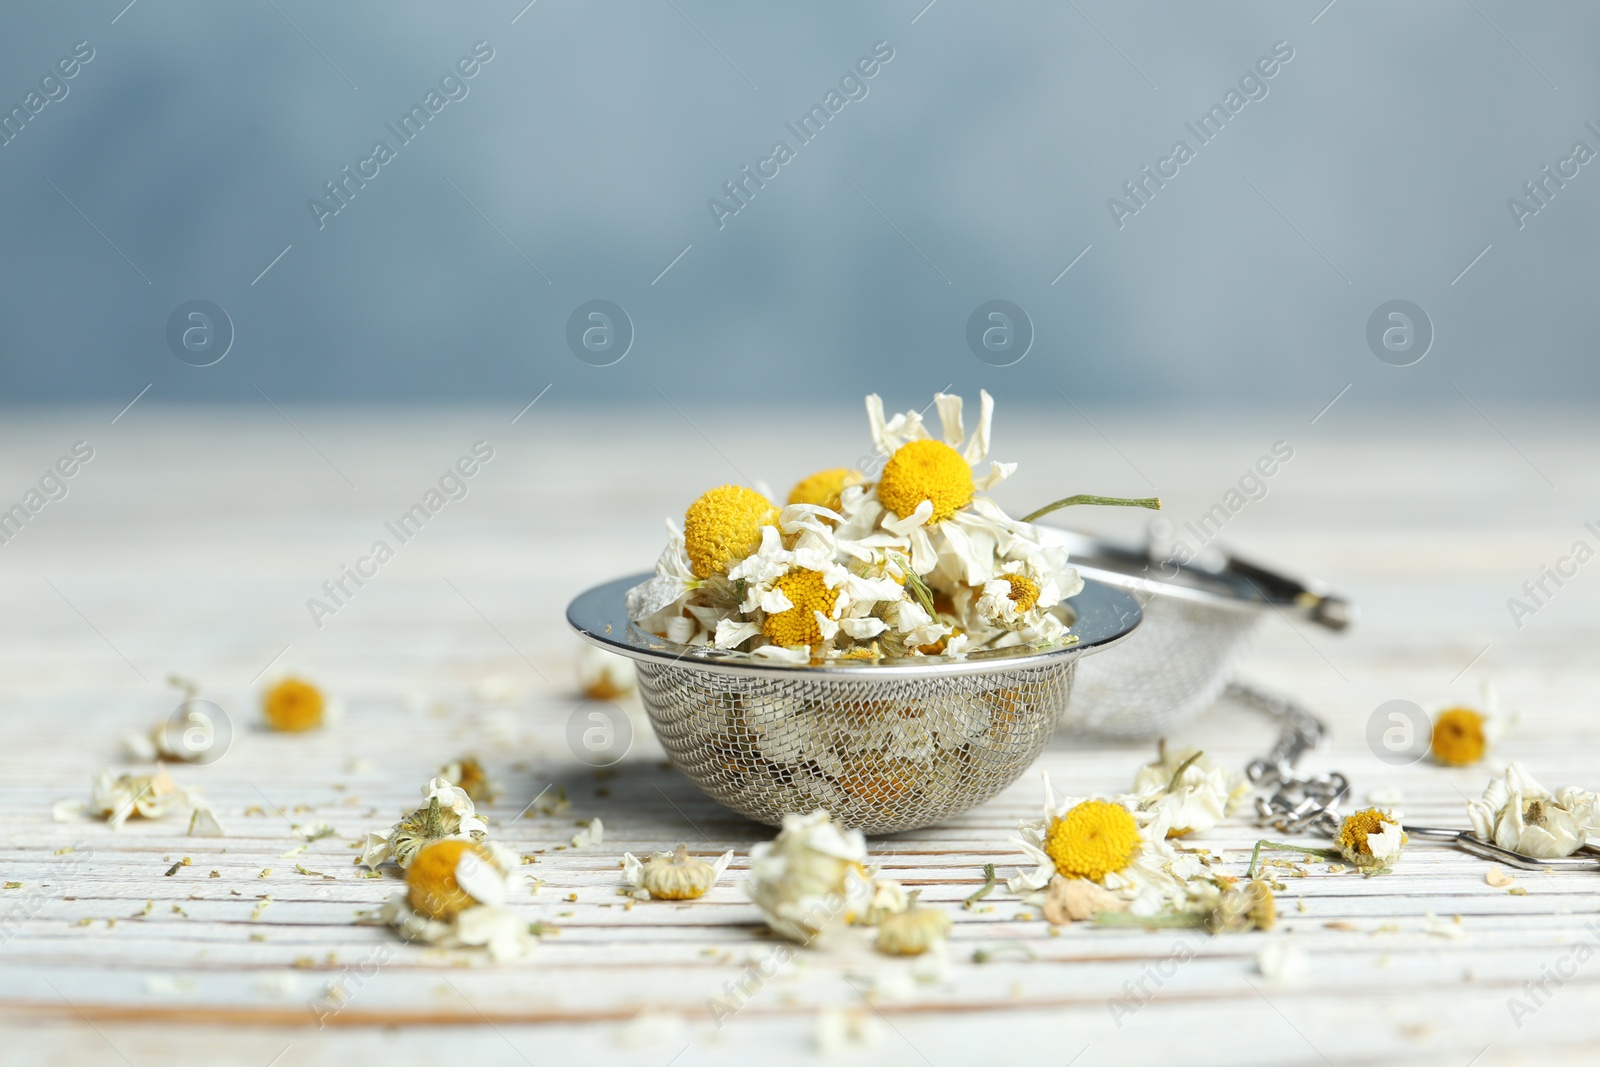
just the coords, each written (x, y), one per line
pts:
(1312, 598)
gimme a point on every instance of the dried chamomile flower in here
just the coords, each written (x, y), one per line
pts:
(1518, 813)
(455, 896)
(672, 875)
(115, 798)
(803, 880)
(187, 740)
(1114, 843)
(921, 563)
(1196, 793)
(468, 775)
(605, 675)
(1070, 900)
(913, 931)
(591, 832)
(1020, 595)
(1463, 735)
(293, 705)
(888, 898)
(724, 526)
(1244, 906)
(825, 487)
(1370, 840)
(447, 813)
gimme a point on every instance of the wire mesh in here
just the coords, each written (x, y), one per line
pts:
(881, 755)
(1172, 668)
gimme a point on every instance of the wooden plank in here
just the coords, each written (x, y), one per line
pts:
(193, 540)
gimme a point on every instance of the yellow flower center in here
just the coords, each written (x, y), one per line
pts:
(926, 470)
(1024, 592)
(825, 488)
(1458, 737)
(809, 593)
(1354, 830)
(1094, 839)
(431, 886)
(293, 705)
(724, 526)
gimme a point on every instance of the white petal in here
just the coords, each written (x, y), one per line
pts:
(480, 879)
(875, 424)
(998, 472)
(731, 634)
(787, 655)
(950, 419)
(914, 521)
(721, 865)
(923, 558)
(863, 629)
(978, 448)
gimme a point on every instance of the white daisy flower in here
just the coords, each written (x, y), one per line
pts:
(1020, 594)
(455, 896)
(1518, 813)
(804, 880)
(799, 594)
(927, 481)
(1113, 843)
(447, 813)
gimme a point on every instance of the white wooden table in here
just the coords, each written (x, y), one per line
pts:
(192, 540)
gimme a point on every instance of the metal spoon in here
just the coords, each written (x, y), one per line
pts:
(1586, 858)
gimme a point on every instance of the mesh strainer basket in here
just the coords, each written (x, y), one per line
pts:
(1197, 618)
(883, 745)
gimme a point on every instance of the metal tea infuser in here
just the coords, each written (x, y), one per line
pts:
(885, 745)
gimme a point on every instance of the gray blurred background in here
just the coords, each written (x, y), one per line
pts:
(978, 165)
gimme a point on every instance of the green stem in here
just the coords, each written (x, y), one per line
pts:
(1279, 846)
(1172, 786)
(1151, 502)
(988, 886)
(1187, 920)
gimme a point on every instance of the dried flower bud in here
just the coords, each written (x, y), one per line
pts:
(293, 705)
(913, 931)
(673, 875)
(804, 880)
(1371, 839)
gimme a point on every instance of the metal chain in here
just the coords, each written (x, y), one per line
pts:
(1299, 803)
